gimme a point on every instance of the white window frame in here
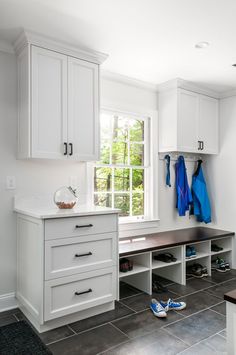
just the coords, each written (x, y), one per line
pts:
(151, 172)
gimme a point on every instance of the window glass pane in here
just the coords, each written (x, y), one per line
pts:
(119, 153)
(138, 179)
(106, 123)
(136, 130)
(122, 201)
(102, 179)
(120, 128)
(104, 200)
(136, 154)
(121, 179)
(137, 204)
(105, 153)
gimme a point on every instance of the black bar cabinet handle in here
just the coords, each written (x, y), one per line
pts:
(199, 145)
(71, 149)
(86, 254)
(83, 292)
(202, 145)
(83, 226)
(65, 148)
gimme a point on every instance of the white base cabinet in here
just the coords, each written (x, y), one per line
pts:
(66, 268)
(188, 122)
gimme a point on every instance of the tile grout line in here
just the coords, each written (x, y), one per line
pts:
(217, 312)
(68, 326)
(190, 315)
(175, 336)
(125, 298)
(123, 304)
(119, 330)
(199, 342)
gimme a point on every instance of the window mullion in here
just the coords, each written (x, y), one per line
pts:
(113, 187)
(131, 191)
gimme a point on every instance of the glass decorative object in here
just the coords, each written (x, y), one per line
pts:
(65, 197)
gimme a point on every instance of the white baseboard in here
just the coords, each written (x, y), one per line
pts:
(8, 301)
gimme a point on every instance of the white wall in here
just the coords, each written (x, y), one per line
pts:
(44, 177)
(221, 170)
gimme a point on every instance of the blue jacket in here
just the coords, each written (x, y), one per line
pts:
(201, 202)
(183, 193)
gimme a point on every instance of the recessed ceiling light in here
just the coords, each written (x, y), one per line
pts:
(201, 45)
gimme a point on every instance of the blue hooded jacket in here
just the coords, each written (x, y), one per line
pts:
(201, 202)
(183, 193)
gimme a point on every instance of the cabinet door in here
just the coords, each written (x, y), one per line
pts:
(208, 124)
(49, 103)
(83, 105)
(188, 110)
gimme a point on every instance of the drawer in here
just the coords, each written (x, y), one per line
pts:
(77, 226)
(68, 256)
(79, 292)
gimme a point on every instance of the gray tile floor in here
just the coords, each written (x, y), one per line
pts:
(132, 328)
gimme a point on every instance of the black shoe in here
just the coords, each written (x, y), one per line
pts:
(195, 271)
(216, 248)
(157, 287)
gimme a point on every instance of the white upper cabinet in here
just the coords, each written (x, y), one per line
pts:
(187, 125)
(188, 122)
(83, 115)
(208, 124)
(58, 91)
(48, 103)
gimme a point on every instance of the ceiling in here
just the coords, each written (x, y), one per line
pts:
(149, 40)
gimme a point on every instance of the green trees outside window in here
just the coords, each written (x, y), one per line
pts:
(119, 175)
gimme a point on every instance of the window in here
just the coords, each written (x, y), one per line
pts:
(121, 176)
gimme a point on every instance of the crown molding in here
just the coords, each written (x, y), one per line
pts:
(6, 47)
(229, 93)
(32, 38)
(187, 85)
(123, 79)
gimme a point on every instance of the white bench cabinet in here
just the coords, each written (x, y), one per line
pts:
(67, 267)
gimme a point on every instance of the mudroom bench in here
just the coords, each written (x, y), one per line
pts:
(142, 249)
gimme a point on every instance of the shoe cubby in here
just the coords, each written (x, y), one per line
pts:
(176, 252)
(204, 261)
(202, 250)
(173, 272)
(225, 243)
(141, 263)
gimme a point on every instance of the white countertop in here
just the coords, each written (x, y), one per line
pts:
(43, 209)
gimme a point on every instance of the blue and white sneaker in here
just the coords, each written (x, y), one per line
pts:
(157, 309)
(171, 305)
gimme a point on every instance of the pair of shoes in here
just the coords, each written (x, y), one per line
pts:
(220, 265)
(161, 308)
(166, 258)
(197, 270)
(157, 287)
(126, 265)
(216, 248)
(190, 252)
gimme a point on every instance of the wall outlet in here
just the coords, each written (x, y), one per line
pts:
(10, 182)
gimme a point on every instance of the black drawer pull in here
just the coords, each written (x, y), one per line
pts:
(84, 226)
(80, 255)
(83, 292)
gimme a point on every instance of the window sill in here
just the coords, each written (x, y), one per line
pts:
(142, 224)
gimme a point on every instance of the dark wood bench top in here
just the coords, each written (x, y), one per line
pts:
(230, 296)
(169, 239)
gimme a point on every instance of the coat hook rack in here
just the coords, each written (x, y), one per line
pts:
(189, 157)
